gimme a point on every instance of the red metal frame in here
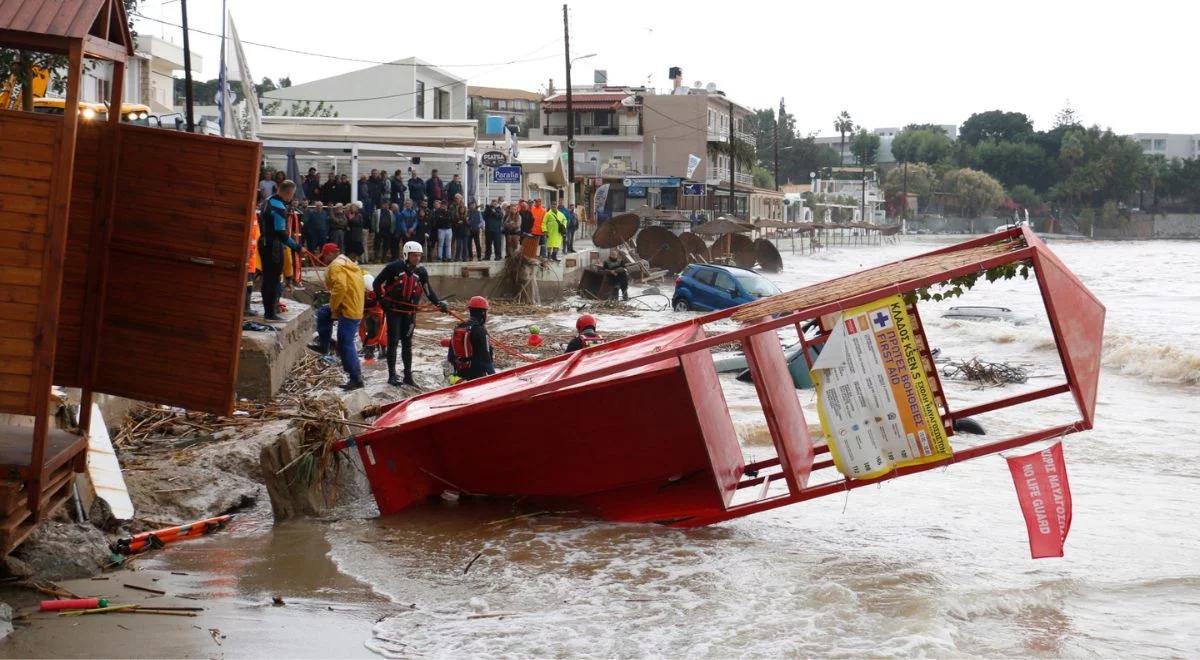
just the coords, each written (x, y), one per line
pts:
(696, 458)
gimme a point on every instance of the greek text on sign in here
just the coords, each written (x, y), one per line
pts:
(493, 159)
(876, 405)
(507, 174)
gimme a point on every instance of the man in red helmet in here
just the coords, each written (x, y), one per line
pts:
(470, 348)
(586, 327)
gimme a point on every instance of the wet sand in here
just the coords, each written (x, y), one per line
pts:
(233, 575)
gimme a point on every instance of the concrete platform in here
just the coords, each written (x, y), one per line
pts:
(463, 279)
(266, 357)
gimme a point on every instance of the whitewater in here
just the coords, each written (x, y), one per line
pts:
(935, 564)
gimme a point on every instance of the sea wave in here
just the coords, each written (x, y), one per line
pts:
(1158, 363)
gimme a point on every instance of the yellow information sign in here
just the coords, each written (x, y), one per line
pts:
(875, 403)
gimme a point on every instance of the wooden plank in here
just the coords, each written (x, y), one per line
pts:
(28, 223)
(18, 168)
(20, 276)
(18, 203)
(19, 258)
(16, 366)
(13, 403)
(20, 295)
(36, 152)
(18, 319)
(14, 382)
(28, 133)
(46, 339)
(17, 240)
(29, 187)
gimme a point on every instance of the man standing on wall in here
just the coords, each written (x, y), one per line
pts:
(273, 237)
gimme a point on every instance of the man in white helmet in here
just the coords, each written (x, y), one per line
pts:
(398, 288)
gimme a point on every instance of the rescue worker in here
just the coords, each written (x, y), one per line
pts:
(614, 269)
(273, 237)
(586, 327)
(398, 288)
(470, 348)
(344, 279)
(555, 225)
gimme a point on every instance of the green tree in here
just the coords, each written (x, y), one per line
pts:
(920, 180)
(1097, 166)
(922, 145)
(299, 109)
(843, 124)
(1066, 117)
(20, 65)
(763, 177)
(995, 125)
(1025, 197)
(865, 147)
(975, 191)
(1012, 163)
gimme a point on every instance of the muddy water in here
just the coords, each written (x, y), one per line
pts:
(935, 564)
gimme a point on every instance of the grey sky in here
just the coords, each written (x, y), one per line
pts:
(888, 63)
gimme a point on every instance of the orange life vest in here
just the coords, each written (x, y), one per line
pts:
(590, 340)
(404, 293)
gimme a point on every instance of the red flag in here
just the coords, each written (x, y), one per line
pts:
(1045, 497)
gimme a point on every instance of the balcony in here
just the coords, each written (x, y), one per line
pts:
(718, 134)
(745, 137)
(594, 131)
(717, 177)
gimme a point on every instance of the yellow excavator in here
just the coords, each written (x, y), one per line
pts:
(134, 113)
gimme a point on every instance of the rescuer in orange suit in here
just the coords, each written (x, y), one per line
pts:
(470, 348)
(252, 264)
(586, 327)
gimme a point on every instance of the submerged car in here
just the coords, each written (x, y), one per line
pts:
(707, 287)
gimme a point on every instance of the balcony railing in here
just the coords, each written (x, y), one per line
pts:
(718, 134)
(717, 176)
(745, 137)
(595, 130)
(744, 178)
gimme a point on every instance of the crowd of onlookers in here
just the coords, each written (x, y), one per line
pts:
(391, 211)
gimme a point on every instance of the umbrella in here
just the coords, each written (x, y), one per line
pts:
(616, 230)
(721, 226)
(697, 250)
(293, 173)
(662, 249)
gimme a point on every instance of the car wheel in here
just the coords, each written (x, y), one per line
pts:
(681, 305)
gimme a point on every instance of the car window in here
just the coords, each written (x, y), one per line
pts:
(757, 285)
(725, 282)
(705, 277)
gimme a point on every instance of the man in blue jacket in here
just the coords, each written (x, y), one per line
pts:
(273, 236)
(416, 189)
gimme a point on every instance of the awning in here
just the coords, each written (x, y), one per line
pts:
(537, 181)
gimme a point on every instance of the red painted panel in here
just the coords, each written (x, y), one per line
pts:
(720, 438)
(785, 418)
(1078, 321)
(629, 448)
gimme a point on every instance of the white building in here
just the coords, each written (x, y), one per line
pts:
(149, 76)
(405, 89)
(1169, 145)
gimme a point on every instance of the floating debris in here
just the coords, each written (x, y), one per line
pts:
(987, 373)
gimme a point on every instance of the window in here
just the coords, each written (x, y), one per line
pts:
(725, 282)
(441, 109)
(420, 99)
(1160, 145)
(706, 277)
(1145, 144)
(710, 118)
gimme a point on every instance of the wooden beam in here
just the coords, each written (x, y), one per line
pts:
(97, 47)
(108, 162)
(46, 329)
(46, 43)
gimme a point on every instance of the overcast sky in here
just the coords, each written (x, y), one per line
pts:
(1128, 66)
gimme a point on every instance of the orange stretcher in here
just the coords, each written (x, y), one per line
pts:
(158, 538)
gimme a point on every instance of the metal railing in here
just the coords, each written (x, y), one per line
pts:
(746, 137)
(594, 130)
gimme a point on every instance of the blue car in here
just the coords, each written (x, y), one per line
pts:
(707, 287)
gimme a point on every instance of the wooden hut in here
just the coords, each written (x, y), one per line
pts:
(123, 259)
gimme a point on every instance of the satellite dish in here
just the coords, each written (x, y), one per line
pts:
(629, 101)
(699, 83)
(711, 87)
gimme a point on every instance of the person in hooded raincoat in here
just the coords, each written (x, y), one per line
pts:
(555, 225)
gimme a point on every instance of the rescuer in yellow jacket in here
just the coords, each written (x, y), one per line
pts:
(347, 289)
(555, 225)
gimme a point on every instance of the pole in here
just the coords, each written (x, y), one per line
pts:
(223, 75)
(904, 209)
(862, 213)
(732, 166)
(187, 70)
(778, 117)
(570, 111)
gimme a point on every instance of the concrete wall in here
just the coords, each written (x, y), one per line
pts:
(397, 82)
(1170, 145)
(680, 124)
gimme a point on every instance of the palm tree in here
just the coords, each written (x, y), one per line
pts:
(843, 124)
